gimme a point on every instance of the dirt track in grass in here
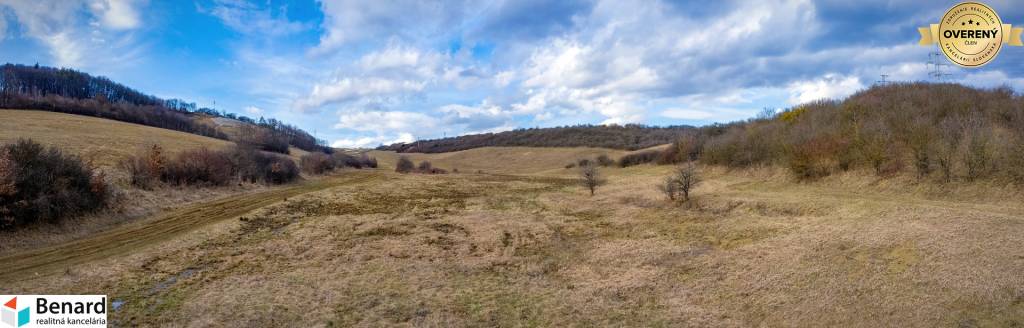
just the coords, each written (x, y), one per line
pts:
(166, 226)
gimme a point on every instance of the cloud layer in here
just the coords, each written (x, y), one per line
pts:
(369, 72)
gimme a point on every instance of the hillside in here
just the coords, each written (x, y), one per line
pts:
(626, 137)
(937, 132)
(104, 141)
(73, 92)
(500, 159)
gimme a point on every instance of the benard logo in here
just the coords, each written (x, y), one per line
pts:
(11, 316)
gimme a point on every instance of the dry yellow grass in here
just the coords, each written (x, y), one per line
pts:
(105, 142)
(752, 249)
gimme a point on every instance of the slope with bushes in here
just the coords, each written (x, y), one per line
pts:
(939, 132)
(627, 137)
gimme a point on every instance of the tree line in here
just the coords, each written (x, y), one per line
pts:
(73, 92)
(630, 137)
(942, 132)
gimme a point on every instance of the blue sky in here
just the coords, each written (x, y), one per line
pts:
(362, 73)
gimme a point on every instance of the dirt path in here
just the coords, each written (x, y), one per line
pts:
(165, 226)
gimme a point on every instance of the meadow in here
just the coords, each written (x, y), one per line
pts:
(524, 245)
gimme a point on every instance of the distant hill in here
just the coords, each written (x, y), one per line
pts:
(73, 92)
(627, 137)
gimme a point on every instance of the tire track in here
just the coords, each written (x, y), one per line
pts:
(133, 236)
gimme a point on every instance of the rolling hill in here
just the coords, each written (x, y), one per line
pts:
(105, 142)
(625, 137)
(509, 160)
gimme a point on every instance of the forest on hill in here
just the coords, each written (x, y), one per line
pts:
(629, 137)
(73, 92)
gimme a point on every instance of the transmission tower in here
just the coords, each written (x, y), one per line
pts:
(936, 64)
(884, 79)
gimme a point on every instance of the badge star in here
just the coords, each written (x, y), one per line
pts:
(970, 22)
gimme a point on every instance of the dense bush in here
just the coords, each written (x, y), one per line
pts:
(200, 167)
(205, 167)
(40, 184)
(316, 163)
(254, 166)
(368, 161)
(424, 166)
(404, 165)
(145, 168)
(643, 157)
(345, 160)
(604, 160)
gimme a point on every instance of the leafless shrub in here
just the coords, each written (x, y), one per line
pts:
(7, 175)
(145, 168)
(316, 163)
(424, 167)
(682, 181)
(404, 165)
(590, 177)
(200, 167)
(368, 161)
(670, 187)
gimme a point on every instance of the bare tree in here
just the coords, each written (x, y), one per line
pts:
(681, 182)
(688, 178)
(590, 177)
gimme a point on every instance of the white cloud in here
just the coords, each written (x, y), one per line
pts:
(347, 21)
(3, 27)
(253, 110)
(370, 142)
(80, 34)
(249, 18)
(830, 86)
(504, 78)
(992, 79)
(386, 121)
(116, 14)
(349, 89)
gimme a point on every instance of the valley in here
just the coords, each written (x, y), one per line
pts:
(469, 249)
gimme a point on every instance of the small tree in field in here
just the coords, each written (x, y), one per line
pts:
(688, 178)
(590, 177)
(681, 182)
(669, 187)
(404, 165)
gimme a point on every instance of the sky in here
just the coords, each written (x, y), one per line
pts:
(361, 73)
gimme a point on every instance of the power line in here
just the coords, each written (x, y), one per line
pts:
(936, 64)
(884, 79)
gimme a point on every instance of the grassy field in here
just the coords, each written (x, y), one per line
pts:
(379, 248)
(105, 142)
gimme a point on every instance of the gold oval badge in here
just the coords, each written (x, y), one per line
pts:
(971, 34)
